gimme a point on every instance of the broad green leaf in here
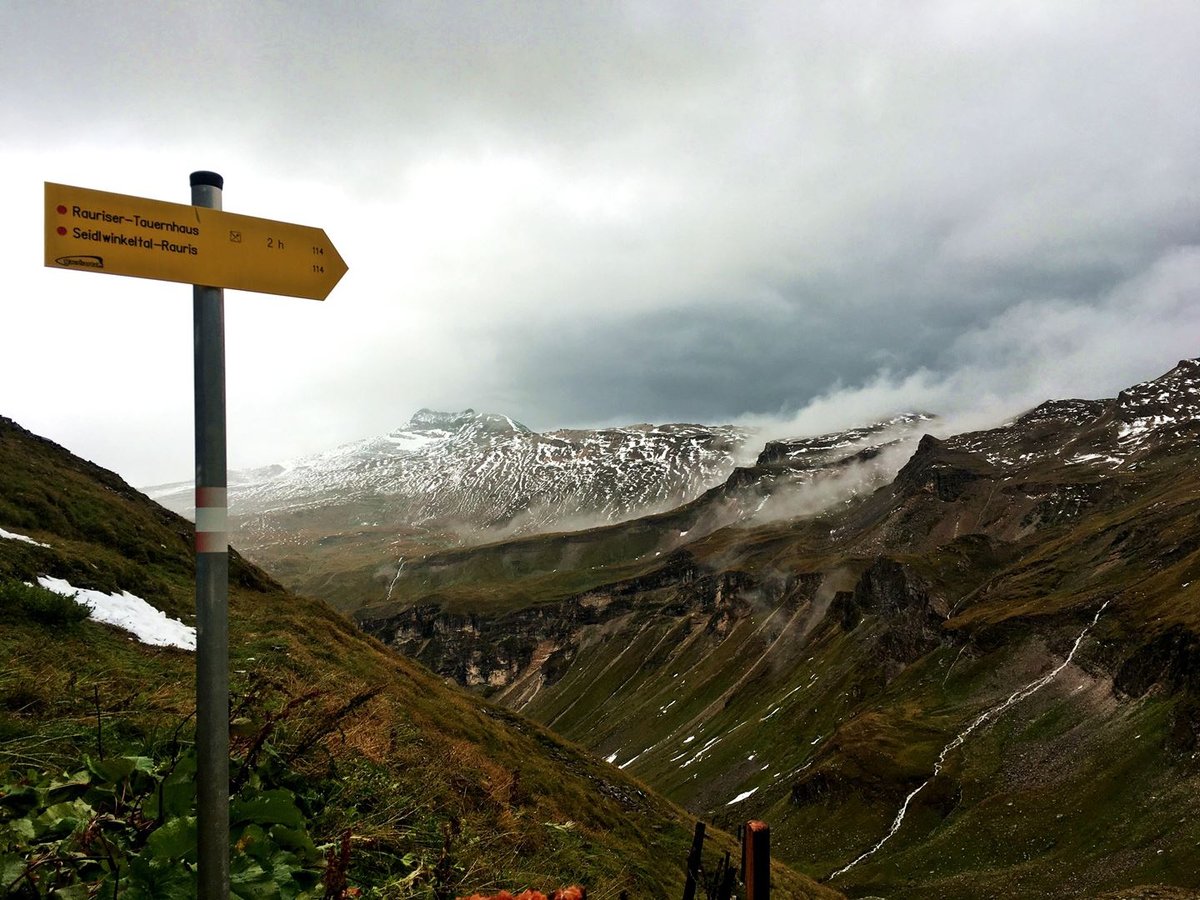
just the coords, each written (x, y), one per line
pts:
(69, 786)
(159, 881)
(250, 881)
(277, 807)
(177, 794)
(293, 877)
(111, 770)
(60, 819)
(74, 892)
(295, 839)
(18, 830)
(175, 840)
(253, 841)
(11, 868)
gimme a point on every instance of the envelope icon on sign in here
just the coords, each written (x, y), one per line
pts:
(235, 237)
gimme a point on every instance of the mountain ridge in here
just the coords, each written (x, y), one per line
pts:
(658, 464)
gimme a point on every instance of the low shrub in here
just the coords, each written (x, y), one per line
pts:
(40, 604)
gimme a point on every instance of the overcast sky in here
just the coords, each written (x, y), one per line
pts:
(584, 213)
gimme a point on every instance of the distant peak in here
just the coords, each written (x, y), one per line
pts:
(426, 418)
(431, 419)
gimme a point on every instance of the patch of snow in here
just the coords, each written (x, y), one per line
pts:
(700, 754)
(1092, 457)
(20, 537)
(630, 761)
(133, 614)
(1139, 427)
(742, 796)
(413, 441)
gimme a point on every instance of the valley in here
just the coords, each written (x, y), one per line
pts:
(977, 678)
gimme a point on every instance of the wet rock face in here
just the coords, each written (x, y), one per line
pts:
(887, 589)
(490, 652)
(1184, 737)
(1170, 660)
(949, 482)
(1064, 503)
(494, 651)
(942, 470)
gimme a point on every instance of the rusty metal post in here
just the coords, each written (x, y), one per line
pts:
(756, 853)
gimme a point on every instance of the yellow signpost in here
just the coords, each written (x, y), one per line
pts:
(95, 231)
(200, 245)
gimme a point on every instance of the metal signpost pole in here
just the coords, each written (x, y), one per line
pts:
(212, 575)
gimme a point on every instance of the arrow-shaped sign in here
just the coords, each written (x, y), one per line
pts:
(95, 231)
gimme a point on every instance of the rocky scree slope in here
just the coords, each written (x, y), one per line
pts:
(415, 765)
(979, 679)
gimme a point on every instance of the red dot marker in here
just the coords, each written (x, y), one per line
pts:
(62, 210)
(61, 230)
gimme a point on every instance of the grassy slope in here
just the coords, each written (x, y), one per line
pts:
(417, 756)
(331, 552)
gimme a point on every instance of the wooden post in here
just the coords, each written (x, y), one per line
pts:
(756, 851)
(741, 833)
(693, 863)
(723, 884)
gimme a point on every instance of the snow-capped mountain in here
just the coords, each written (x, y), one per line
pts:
(1122, 433)
(483, 470)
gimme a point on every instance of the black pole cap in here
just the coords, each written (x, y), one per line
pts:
(212, 179)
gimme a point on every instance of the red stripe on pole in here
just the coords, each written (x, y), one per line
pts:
(211, 496)
(212, 542)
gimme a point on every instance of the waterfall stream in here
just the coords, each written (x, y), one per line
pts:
(395, 578)
(959, 738)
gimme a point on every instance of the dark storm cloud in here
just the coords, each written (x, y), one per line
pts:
(579, 213)
(710, 365)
